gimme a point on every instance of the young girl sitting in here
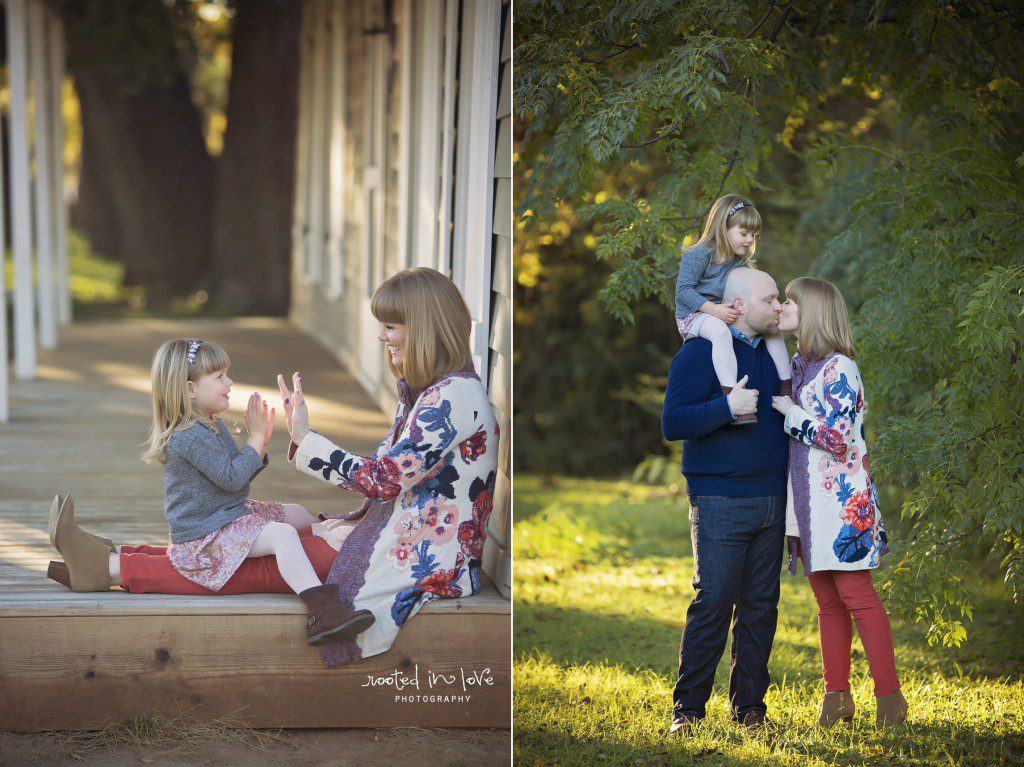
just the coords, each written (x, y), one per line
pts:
(728, 241)
(213, 524)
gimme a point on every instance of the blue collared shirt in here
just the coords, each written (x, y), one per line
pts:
(738, 334)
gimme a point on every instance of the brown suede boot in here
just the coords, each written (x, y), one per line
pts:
(328, 620)
(86, 556)
(836, 707)
(892, 710)
(70, 511)
(740, 420)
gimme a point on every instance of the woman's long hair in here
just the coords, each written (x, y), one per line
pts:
(170, 374)
(824, 323)
(720, 220)
(437, 324)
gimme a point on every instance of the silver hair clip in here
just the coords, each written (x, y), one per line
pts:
(737, 207)
(193, 347)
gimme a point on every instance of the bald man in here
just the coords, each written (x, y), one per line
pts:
(736, 480)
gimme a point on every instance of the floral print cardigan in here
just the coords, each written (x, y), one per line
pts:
(833, 505)
(429, 489)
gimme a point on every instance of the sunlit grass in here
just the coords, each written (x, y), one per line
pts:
(602, 584)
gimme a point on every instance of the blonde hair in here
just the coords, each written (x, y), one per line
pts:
(721, 219)
(437, 324)
(170, 374)
(824, 323)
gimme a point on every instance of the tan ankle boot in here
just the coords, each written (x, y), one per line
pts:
(328, 620)
(70, 511)
(86, 556)
(892, 710)
(836, 707)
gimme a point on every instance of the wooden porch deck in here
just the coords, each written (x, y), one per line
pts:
(79, 661)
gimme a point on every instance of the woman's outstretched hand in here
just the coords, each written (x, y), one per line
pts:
(296, 416)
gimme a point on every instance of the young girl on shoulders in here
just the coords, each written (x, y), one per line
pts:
(728, 241)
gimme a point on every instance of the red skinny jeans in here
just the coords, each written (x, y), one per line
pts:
(148, 570)
(840, 594)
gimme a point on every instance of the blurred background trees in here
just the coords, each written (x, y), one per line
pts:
(181, 118)
(882, 143)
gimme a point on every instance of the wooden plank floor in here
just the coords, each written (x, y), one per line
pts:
(79, 428)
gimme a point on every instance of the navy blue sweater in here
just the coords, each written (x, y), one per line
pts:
(719, 459)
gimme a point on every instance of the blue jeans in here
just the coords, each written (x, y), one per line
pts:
(737, 560)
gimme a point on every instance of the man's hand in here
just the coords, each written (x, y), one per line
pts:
(743, 401)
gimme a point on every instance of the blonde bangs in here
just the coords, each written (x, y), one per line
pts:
(824, 321)
(386, 305)
(210, 358)
(437, 324)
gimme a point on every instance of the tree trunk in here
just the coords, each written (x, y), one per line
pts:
(256, 173)
(145, 165)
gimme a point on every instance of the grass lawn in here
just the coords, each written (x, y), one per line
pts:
(602, 582)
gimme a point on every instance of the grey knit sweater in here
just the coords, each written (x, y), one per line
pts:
(700, 279)
(206, 480)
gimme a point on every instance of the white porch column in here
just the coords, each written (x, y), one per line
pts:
(55, 28)
(338, 167)
(42, 101)
(21, 188)
(5, 413)
(317, 143)
(474, 167)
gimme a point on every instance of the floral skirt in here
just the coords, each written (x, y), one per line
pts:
(689, 326)
(211, 560)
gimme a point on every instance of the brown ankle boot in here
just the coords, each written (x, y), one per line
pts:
(328, 620)
(892, 710)
(59, 503)
(740, 420)
(836, 707)
(87, 558)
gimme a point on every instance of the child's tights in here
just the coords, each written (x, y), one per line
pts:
(723, 357)
(841, 594)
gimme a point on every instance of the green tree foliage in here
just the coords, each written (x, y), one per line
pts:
(896, 130)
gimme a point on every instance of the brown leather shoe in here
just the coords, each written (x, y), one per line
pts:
(740, 420)
(836, 707)
(70, 511)
(328, 620)
(892, 710)
(87, 558)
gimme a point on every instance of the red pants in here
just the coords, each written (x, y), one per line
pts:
(148, 570)
(841, 594)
